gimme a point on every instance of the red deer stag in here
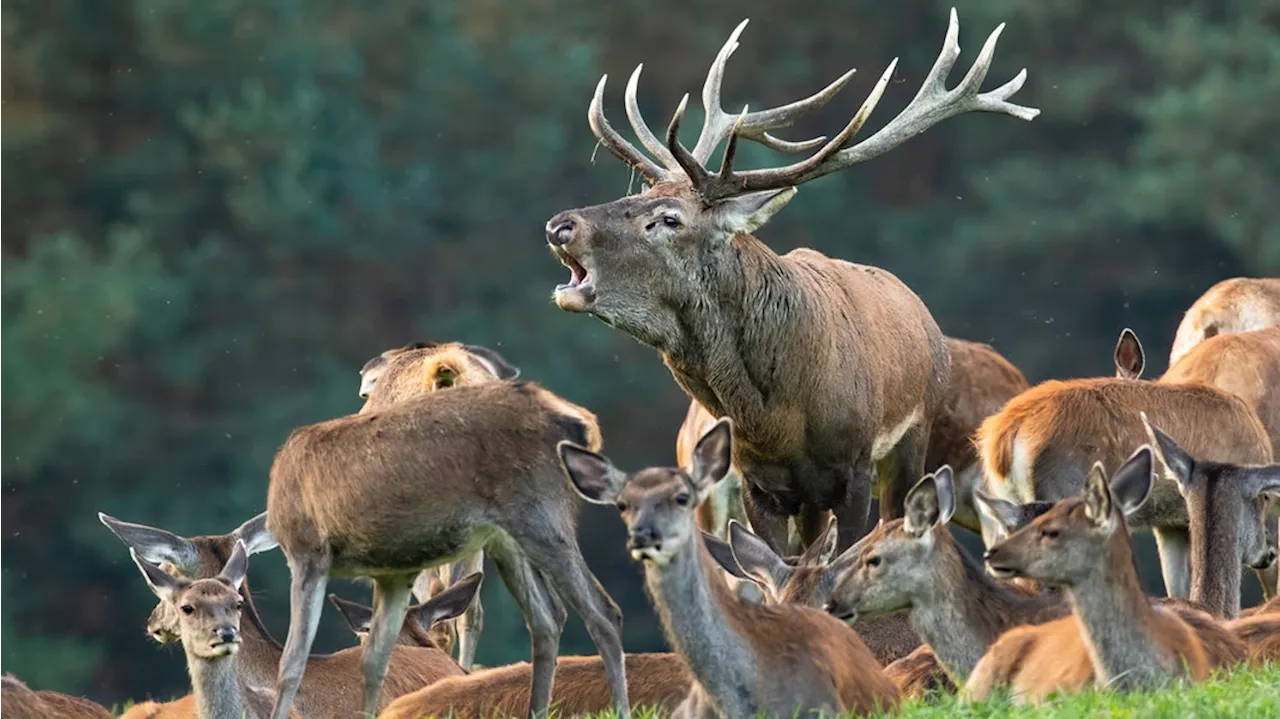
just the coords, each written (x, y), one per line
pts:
(1239, 304)
(425, 482)
(825, 366)
(410, 372)
(745, 658)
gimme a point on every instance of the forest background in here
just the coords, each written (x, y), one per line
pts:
(217, 211)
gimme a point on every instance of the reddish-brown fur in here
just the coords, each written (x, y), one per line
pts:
(1239, 304)
(1261, 634)
(919, 674)
(18, 701)
(659, 680)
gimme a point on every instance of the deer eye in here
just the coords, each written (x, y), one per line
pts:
(622, 506)
(239, 605)
(188, 609)
(670, 221)
(873, 561)
(1049, 533)
(682, 499)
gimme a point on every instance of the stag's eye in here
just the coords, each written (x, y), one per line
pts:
(188, 609)
(873, 561)
(682, 499)
(670, 221)
(622, 506)
(1049, 533)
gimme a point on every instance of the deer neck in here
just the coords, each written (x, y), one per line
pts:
(964, 610)
(753, 311)
(692, 603)
(259, 655)
(1215, 565)
(216, 686)
(1116, 619)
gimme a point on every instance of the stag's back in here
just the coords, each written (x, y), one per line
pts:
(1042, 444)
(407, 477)
(1239, 304)
(1246, 364)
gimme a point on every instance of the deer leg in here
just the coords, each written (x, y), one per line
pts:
(309, 577)
(544, 615)
(557, 556)
(809, 524)
(1174, 546)
(1269, 578)
(472, 621)
(391, 597)
(768, 519)
(909, 455)
(851, 513)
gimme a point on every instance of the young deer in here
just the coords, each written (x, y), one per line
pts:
(676, 268)
(424, 482)
(745, 658)
(808, 580)
(1041, 446)
(19, 701)
(209, 627)
(1239, 304)
(408, 373)
(331, 687)
(1083, 545)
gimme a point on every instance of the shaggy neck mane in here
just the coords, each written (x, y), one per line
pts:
(732, 341)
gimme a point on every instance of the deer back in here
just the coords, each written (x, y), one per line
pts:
(19, 701)
(1239, 304)
(1042, 445)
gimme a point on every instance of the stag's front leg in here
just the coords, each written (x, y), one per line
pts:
(907, 469)
(852, 512)
(768, 517)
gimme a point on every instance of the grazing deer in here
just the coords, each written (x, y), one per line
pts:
(808, 580)
(19, 701)
(408, 373)
(677, 268)
(424, 482)
(1239, 304)
(1041, 446)
(1082, 544)
(209, 627)
(745, 658)
(331, 687)
(661, 681)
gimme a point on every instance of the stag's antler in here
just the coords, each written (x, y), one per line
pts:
(931, 105)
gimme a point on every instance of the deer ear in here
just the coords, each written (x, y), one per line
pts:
(723, 554)
(593, 476)
(823, 550)
(1129, 357)
(712, 455)
(931, 502)
(997, 517)
(153, 544)
(748, 213)
(1177, 464)
(1131, 484)
(500, 368)
(757, 558)
(237, 566)
(161, 583)
(357, 616)
(255, 536)
(1097, 496)
(1261, 480)
(451, 602)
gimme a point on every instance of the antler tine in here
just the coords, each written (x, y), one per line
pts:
(718, 124)
(932, 104)
(696, 173)
(647, 138)
(615, 143)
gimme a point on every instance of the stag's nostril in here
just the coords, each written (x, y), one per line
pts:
(561, 232)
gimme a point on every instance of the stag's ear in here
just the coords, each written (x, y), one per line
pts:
(162, 584)
(998, 517)
(757, 558)
(500, 368)
(1129, 357)
(255, 536)
(1131, 484)
(748, 213)
(1177, 464)
(593, 476)
(931, 502)
(712, 456)
(153, 544)
(357, 616)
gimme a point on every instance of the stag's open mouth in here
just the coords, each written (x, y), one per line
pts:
(579, 293)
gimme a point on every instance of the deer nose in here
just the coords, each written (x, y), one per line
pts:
(226, 635)
(560, 229)
(642, 537)
(1267, 560)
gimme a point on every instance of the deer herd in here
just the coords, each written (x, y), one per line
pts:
(812, 382)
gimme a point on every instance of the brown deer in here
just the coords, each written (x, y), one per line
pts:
(677, 268)
(331, 687)
(1041, 446)
(424, 482)
(209, 628)
(745, 658)
(1082, 544)
(410, 372)
(1239, 304)
(19, 701)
